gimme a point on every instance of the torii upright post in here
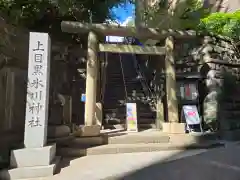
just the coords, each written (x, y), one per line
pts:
(91, 128)
(173, 125)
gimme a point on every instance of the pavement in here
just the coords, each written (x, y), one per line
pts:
(213, 164)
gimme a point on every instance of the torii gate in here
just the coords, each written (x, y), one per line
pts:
(91, 128)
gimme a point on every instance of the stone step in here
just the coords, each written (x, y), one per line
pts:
(123, 100)
(133, 148)
(116, 138)
(123, 106)
(132, 81)
(131, 98)
(147, 126)
(142, 115)
(86, 142)
(136, 138)
(116, 91)
(194, 137)
(146, 122)
(144, 109)
(119, 91)
(140, 126)
(141, 112)
(149, 136)
(113, 89)
(62, 140)
(131, 73)
(110, 104)
(127, 77)
(30, 172)
(131, 92)
(118, 118)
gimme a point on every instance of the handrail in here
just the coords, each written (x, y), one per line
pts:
(144, 84)
(103, 76)
(139, 73)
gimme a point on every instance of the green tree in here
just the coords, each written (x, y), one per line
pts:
(131, 23)
(224, 24)
(46, 15)
(185, 14)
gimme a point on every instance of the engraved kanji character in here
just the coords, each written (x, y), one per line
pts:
(39, 45)
(35, 95)
(37, 70)
(34, 122)
(38, 58)
(35, 108)
(36, 83)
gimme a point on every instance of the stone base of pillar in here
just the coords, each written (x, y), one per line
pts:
(58, 131)
(31, 163)
(174, 128)
(88, 131)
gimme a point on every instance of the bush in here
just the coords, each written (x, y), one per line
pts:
(225, 24)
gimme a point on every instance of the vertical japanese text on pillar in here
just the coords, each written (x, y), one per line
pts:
(35, 86)
(37, 100)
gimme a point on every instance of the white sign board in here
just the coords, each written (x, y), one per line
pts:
(114, 39)
(36, 118)
(191, 114)
(132, 125)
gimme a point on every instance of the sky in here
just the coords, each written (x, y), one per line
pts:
(123, 12)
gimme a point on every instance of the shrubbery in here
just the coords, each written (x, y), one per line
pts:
(225, 24)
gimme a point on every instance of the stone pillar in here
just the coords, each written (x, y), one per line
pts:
(160, 113)
(173, 124)
(91, 79)
(159, 92)
(36, 159)
(91, 128)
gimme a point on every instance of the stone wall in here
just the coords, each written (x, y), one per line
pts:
(13, 45)
(217, 60)
(13, 64)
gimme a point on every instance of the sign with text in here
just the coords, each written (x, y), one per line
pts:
(191, 114)
(36, 118)
(132, 125)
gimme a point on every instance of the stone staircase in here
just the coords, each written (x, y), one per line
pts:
(122, 142)
(124, 85)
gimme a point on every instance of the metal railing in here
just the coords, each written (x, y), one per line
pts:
(146, 89)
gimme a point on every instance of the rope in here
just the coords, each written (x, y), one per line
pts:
(124, 82)
(104, 76)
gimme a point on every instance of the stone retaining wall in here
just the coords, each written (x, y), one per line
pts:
(218, 61)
